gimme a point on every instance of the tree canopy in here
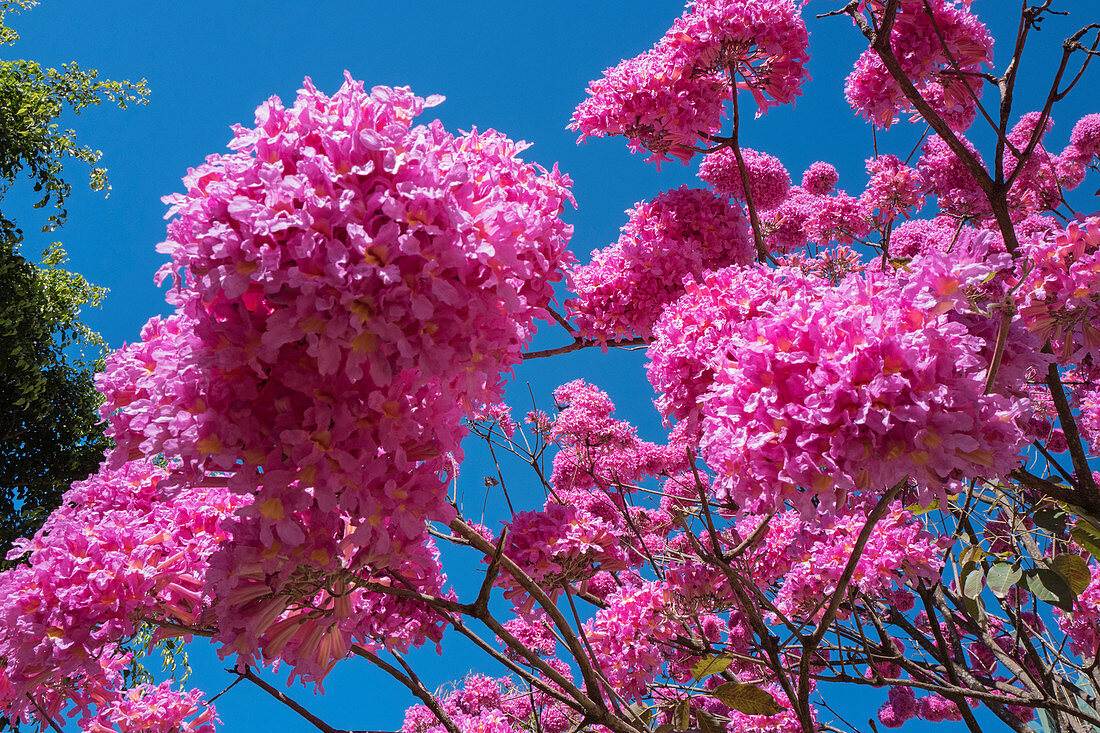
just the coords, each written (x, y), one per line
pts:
(49, 434)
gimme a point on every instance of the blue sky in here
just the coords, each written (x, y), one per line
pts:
(518, 67)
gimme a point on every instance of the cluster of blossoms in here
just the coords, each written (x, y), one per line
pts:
(155, 709)
(682, 232)
(769, 181)
(119, 551)
(1061, 290)
(351, 288)
(894, 190)
(586, 528)
(669, 97)
(489, 705)
(346, 285)
(938, 44)
(811, 391)
(806, 558)
(627, 636)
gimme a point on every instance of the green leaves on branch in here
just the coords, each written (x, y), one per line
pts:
(32, 98)
(1059, 584)
(1074, 570)
(1050, 587)
(49, 431)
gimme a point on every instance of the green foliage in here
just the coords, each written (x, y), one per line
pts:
(49, 435)
(31, 100)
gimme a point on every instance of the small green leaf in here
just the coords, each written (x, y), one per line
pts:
(748, 699)
(1001, 577)
(1050, 587)
(708, 723)
(1086, 540)
(1052, 519)
(973, 581)
(681, 717)
(917, 509)
(1075, 570)
(972, 554)
(709, 665)
(664, 728)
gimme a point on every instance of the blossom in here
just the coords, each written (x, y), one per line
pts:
(669, 97)
(820, 178)
(1060, 294)
(1085, 137)
(928, 46)
(768, 179)
(682, 232)
(154, 709)
(839, 389)
(893, 191)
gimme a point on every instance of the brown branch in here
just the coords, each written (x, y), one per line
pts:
(809, 645)
(1086, 485)
(754, 219)
(321, 725)
(584, 344)
(414, 685)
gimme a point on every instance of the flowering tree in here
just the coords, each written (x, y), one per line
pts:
(876, 470)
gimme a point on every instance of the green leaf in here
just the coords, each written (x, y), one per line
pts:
(1001, 577)
(1075, 570)
(1086, 539)
(748, 699)
(972, 554)
(708, 723)
(1050, 587)
(681, 717)
(1052, 519)
(709, 665)
(917, 509)
(973, 581)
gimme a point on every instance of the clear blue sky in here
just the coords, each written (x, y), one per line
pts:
(520, 67)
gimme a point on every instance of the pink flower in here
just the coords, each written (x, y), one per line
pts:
(769, 181)
(680, 233)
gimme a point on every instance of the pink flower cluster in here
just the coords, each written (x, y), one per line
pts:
(668, 97)
(894, 190)
(806, 558)
(623, 290)
(117, 552)
(922, 236)
(598, 451)
(347, 285)
(1083, 383)
(820, 178)
(1082, 625)
(482, 705)
(627, 635)
(154, 709)
(1039, 186)
(805, 390)
(804, 217)
(946, 177)
(936, 51)
(769, 181)
(655, 106)
(1060, 295)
